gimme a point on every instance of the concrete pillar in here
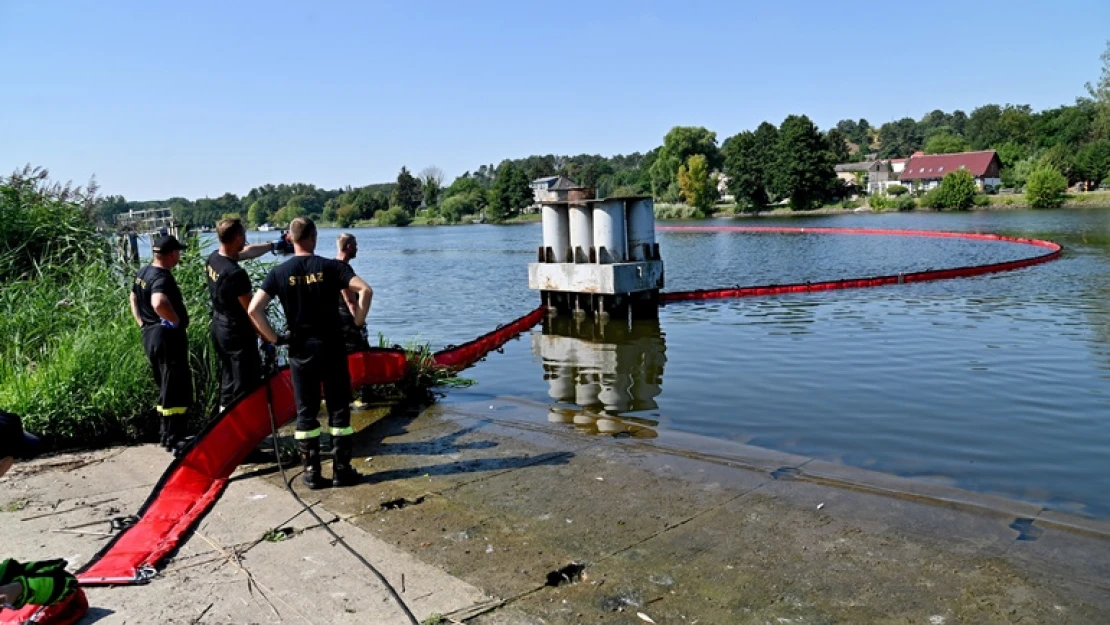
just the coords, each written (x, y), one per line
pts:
(556, 233)
(609, 232)
(581, 233)
(641, 229)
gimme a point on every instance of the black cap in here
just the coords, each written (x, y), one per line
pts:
(14, 442)
(166, 244)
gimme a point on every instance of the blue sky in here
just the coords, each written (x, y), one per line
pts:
(193, 99)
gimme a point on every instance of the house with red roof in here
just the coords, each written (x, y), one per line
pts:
(927, 170)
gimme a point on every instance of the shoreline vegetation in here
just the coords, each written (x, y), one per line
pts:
(1041, 154)
(1093, 199)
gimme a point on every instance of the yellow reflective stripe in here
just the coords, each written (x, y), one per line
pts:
(347, 431)
(299, 435)
(169, 412)
(158, 408)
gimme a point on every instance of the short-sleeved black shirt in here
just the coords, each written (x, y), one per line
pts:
(151, 280)
(308, 287)
(227, 281)
(345, 316)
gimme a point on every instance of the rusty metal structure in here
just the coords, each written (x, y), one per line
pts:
(599, 256)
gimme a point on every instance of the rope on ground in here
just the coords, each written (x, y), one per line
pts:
(338, 539)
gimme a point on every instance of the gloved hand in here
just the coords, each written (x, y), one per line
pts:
(282, 338)
(282, 245)
(44, 583)
(269, 352)
(166, 323)
(364, 332)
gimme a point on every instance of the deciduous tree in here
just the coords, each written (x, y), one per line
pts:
(679, 145)
(408, 193)
(1100, 93)
(746, 166)
(697, 187)
(945, 143)
(803, 165)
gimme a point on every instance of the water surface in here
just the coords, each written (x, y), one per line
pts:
(997, 383)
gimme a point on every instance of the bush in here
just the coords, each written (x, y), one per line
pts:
(395, 216)
(347, 215)
(932, 199)
(897, 190)
(880, 202)
(906, 203)
(956, 192)
(677, 211)
(981, 200)
(1046, 188)
(455, 207)
(849, 204)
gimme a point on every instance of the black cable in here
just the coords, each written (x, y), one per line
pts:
(325, 525)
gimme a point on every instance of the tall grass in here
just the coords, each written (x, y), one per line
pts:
(71, 359)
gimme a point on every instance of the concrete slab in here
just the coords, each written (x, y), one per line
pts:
(305, 577)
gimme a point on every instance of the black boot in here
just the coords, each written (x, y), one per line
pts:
(164, 432)
(310, 460)
(343, 474)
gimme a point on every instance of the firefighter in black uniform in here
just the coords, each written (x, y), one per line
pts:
(354, 336)
(308, 287)
(230, 288)
(158, 308)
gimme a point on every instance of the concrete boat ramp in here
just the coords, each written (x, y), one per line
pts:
(483, 513)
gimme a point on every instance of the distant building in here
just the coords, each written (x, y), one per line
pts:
(551, 188)
(898, 165)
(927, 170)
(877, 174)
(847, 171)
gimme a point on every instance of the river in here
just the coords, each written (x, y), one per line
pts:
(998, 384)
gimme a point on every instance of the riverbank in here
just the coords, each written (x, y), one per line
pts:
(1094, 199)
(495, 517)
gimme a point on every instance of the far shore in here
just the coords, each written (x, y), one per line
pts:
(1095, 200)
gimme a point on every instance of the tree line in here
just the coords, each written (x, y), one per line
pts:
(790, 163)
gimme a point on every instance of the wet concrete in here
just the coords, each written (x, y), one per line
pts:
(735, 535)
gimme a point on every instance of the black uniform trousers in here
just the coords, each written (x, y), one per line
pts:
(167, 349)
(240, 362)
(315, 362)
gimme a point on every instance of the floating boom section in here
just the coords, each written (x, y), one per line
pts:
(465, 355)
(192, 483)
(1053, 252)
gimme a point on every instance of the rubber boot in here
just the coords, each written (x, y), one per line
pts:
(176, 440)
(310, 460)
(164, 432)
(343, 474)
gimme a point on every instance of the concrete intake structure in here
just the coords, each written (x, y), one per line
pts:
(611, 264)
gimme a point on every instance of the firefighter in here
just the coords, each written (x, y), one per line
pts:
(22, 583)
(230, 289)
(159, 309)
(354, 337)
(308, 287)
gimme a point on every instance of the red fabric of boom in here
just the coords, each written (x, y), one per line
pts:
(857, 283)
(193, 483)
(467, 354)
(67, 612)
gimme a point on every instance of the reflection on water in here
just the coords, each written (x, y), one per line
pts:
(601, 373)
